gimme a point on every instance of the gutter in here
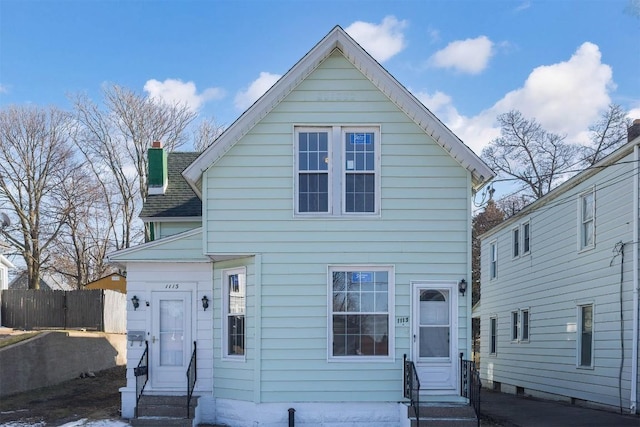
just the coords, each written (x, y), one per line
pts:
(633, 400)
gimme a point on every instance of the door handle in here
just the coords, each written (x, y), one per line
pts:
(414, 337)
(153, 339)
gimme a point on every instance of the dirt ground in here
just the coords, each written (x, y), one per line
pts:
(92, 398)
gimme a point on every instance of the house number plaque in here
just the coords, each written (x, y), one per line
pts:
(172, 286)
(402, 321)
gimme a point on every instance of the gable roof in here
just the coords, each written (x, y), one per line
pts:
(179, 200)
(566, 186)
(385, 82)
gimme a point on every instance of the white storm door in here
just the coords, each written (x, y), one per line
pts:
(170, 347)
(434, 337)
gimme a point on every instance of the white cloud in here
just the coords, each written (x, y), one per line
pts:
(381, 41)
(523, 6)
(3, 88)
(469, 56)
(172, 90)
(256, 89)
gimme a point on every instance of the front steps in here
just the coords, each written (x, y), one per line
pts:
(444, 415)
(164, 411)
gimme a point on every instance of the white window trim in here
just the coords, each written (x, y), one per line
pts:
(579, 308)
(515, 242)
(515, 326)
(493, 252)
(390, 269)
(493, 351)
(337, 170)
(581, 247)
(524, 251)
(522, 338)
(225, 313)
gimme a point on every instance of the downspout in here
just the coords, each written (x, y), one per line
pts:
(636, 259)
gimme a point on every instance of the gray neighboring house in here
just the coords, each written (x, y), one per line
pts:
(559, 314)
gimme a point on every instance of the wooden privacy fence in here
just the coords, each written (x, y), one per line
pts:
(98, 310)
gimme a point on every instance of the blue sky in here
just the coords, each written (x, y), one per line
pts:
(559, 61)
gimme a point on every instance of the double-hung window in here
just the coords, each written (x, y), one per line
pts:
(515, 325)
(493, 260)
(520, 325)
(526, 238)
(587, 220)
(516, 242)
(234, 293)
(585, 336)
(360, 318)
(524, 325)
(493, 334)
(337, 171)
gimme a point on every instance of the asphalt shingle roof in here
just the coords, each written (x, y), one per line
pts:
(179, 200)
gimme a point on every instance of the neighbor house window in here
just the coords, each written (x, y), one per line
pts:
(360, 312)
(587, 220)
(337, 170)
(493, 333)
(234, 310)
(514, 325)
(585, 335)
(516, 242)
(493, 260)
(524, 325)
(526, 238)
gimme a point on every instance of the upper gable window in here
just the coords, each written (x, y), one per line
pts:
(586, 232)
(526, 238)
(493, 261)
(516, 242)
(337, 170)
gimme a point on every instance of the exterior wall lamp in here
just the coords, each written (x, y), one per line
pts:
(136, 302)
(205, 303)
(462, 286)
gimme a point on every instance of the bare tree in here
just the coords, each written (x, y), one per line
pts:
(206, 133)
(607, 134)
(115, 139)
(35, 159)
(529, 154)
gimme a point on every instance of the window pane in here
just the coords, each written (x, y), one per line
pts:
(525, 325)
(516, 243)
(236, 335)
(525, 231)
(313, 191)
(360, 192)
(434, 342)
(586, 331)
(514, 325)
(361, 318)
(493, 331)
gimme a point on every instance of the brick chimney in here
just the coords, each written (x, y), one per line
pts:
(634, 130)
(157, 178)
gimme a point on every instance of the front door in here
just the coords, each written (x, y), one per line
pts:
(435, 336)
(170, 347)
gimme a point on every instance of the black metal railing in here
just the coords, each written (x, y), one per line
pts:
(141, 372)
(411, 386)
(470, 384)
(192, 377)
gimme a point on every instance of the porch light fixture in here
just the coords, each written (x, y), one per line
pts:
(205, 303)
(136, 302)
(462, 286)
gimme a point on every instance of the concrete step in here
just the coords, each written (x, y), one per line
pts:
(443, 415)
(160, 422)
(170, 411)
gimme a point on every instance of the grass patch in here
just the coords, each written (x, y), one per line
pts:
(14, 339)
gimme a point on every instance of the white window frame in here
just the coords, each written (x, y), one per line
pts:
(526, 238)
(493, 335)
(337, 170)
(579, 336)
(515, 326)
(390, 270)
(525, 327)
(493, 260)
(242, 282)
(584, 222)
(515, 242)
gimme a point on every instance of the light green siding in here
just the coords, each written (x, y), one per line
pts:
(422, 231)
(166, 229)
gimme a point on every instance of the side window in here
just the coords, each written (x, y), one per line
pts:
(585, 335)
(587, 220)
(514, 325)
(493, 260)
(524, 325)
(360, 323)
(526, 238)
(493, 332)
(516, 242)
(234, 308)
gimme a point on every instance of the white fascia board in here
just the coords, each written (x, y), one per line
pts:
(4, 261)
(148, 219)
